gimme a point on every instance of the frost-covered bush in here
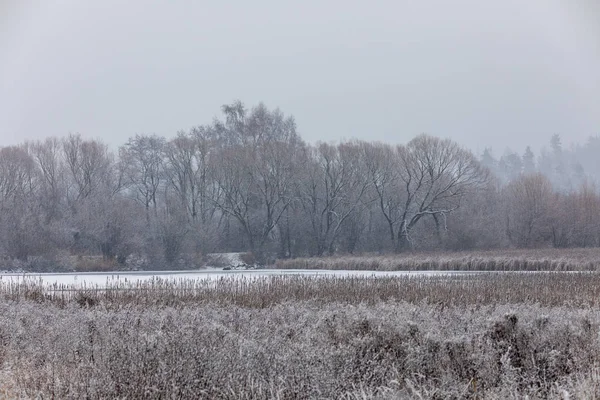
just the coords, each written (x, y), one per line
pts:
(299, 351)
(462, 337)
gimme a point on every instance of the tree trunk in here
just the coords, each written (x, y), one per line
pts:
(403, 243)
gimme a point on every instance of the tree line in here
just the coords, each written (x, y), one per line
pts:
(248, 182)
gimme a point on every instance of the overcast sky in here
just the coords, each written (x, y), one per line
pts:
(484, 73)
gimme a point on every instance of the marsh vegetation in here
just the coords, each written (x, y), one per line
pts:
(581, 259)
(464, 336)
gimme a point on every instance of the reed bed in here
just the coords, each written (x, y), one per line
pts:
(586, 259)
(389, 350)
(460, 336)
(544, 288)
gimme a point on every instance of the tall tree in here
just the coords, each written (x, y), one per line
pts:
(528, 161)
(142, 157)
(332, 189)
(256, 169)
(435, 176)
(528, 210)
(19, 212)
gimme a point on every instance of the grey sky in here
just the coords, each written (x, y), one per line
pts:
(485, 73)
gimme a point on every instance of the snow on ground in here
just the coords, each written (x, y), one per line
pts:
(225, 259)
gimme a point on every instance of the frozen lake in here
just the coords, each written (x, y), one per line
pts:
(96, 279)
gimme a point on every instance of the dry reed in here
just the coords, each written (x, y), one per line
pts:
(462, 336)
(544, 288)
(587, 259)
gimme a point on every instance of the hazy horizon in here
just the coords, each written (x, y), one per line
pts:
(502, 74)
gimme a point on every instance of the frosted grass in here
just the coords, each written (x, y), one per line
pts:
(101, 280)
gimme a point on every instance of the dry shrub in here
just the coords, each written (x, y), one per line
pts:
(460, 336)
(94, 264)
(248, 258)
(300, 351)
(217, 260)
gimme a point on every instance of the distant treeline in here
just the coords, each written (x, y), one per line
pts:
(248, 182)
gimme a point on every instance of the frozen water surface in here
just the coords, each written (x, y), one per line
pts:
(99, 279)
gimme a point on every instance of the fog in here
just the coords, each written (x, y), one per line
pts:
(501, 74)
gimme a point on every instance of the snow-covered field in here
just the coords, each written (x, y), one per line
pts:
(95, 279)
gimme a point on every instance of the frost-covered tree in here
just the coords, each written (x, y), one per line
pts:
(256, 169)
(427, 178)
(528, 161)
(332, 189)
(143, 160)
(529, 202)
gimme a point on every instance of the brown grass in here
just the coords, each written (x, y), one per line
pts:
(498, 260)
(464, 336)
(93, 264)
(488, 288)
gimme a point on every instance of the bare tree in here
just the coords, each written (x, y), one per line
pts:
(436, 175)
(575, 217)
(91, 168)
(190, 172)
(587, 209)
(384, 169)
(255, 169)
(19, 213)
(142, 156)
(47, 155)
(332, 189)
(529, 201)
(93, 192)
(248, 182)
(427, 178)
(18, 175)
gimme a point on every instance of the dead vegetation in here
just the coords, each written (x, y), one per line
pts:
(582, 259)
(463, 336)
(457, 289)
